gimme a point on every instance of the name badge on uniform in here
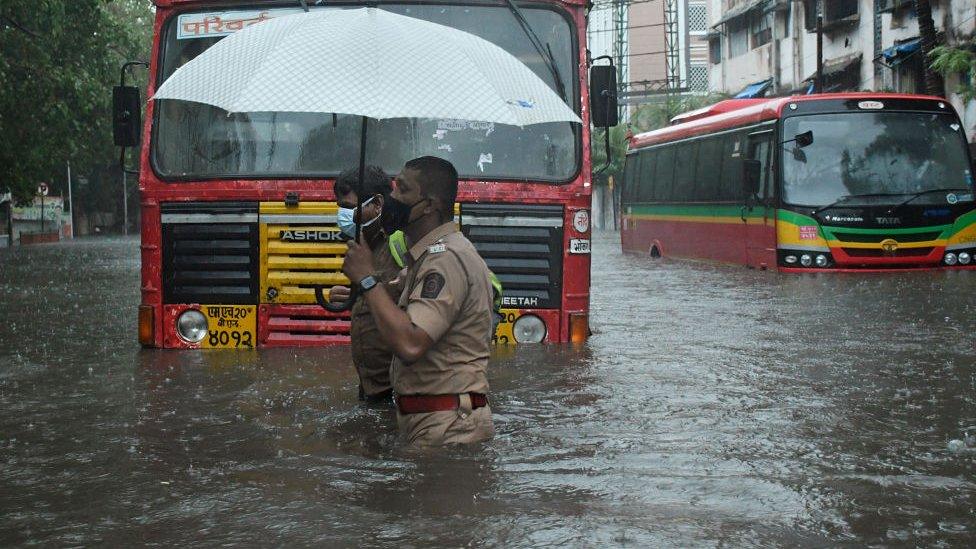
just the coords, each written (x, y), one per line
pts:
(436, 248)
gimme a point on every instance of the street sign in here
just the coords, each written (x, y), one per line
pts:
(42, 189)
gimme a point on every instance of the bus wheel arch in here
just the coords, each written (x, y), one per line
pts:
(655, 250)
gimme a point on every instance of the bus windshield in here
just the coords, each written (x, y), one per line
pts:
(871, 158)
(192, 140)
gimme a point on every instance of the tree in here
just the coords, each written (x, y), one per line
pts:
(58, 63)
(948, 60)
(930, 40)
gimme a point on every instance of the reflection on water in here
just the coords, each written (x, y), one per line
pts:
(713, 405)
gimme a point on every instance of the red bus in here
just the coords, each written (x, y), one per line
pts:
(831, 182)
(239, 217)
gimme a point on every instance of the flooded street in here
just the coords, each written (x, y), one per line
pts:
(713, 406)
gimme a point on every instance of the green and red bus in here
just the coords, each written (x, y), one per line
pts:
(239, 216)
(830, 182)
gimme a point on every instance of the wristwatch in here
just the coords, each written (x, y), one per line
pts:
(367, 283)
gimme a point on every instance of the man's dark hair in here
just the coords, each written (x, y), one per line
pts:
(375, 181)
(439, 180)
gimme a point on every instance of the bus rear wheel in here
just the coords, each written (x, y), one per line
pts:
(655, 252)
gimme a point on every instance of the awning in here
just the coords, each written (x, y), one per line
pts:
(749, 5)
(757, 89)
(837, 65)
(898, 53)
(738, 11)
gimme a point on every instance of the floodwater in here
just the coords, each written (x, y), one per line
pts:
(713, 406)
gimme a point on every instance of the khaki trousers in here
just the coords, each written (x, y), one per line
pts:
(461, 426)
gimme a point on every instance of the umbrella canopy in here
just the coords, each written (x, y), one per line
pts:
(366, 62)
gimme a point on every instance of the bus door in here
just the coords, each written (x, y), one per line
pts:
(758, 213)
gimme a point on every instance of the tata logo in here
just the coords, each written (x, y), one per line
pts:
(889, 245)
(888, 220)
(311, 236)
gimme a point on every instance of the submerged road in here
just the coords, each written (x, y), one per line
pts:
(713, 406)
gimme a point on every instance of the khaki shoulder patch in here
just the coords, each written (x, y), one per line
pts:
(433, 284)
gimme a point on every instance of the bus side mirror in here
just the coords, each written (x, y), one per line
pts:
(126, 116)
(603, 96)
(751, 175)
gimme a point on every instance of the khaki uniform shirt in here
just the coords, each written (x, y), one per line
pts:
(448, 295)
(370, 354)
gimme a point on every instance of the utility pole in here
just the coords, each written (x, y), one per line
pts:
(71, 203)
(125, 203)
(819, 84)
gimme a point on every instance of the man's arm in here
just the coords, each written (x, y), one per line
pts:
(405, 339)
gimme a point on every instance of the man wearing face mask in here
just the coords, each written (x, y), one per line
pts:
(439, 329)
(371, 355)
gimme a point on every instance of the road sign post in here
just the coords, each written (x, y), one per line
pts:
(42, 190)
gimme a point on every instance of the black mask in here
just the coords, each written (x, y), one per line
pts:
(398, 217)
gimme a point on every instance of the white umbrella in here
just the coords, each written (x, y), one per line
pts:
(366, 62)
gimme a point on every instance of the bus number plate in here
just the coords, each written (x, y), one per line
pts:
(579, 246)
(230, 326)
(504, 332)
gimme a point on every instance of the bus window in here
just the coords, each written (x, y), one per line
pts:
(684, 171)
(731, 187)
(664, 174)
(709, 173)
(631, 178)
(759, 150)
(647, 175)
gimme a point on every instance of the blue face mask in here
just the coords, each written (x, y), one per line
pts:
(346, 222)
(347, 219)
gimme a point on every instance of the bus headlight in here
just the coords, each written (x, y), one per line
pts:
(950, 258)
(790, 260)
(964, 258)
(822, 260)
(806, 260)
(529, 329)
(192, 326)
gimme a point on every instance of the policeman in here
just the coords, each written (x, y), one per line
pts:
(440, 328)
(371, 355)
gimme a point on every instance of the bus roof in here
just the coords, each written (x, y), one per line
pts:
(733, 113)
(256, 3)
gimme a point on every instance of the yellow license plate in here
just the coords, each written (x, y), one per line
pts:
(503, 333)
(230, 326)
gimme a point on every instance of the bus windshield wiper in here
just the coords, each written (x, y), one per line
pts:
(846, 197)
(930, 191)
(545, 52)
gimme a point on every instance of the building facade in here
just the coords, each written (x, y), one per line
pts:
(769, 47)
(659, 46)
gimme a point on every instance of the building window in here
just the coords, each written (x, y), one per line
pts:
(838, 9)
(738, 36)
(698, 78)
(761, 28)
(715, 49)
(697, 18)
(810, 15)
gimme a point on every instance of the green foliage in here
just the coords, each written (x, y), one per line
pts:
(58, 62)
(957, 60)
(644, 118)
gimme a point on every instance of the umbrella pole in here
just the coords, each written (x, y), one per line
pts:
(361, 178)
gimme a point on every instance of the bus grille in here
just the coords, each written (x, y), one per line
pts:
(523, 246)
(210, 252)
(301, 248)
(900, 252)
(288, 325)
(877, 238)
